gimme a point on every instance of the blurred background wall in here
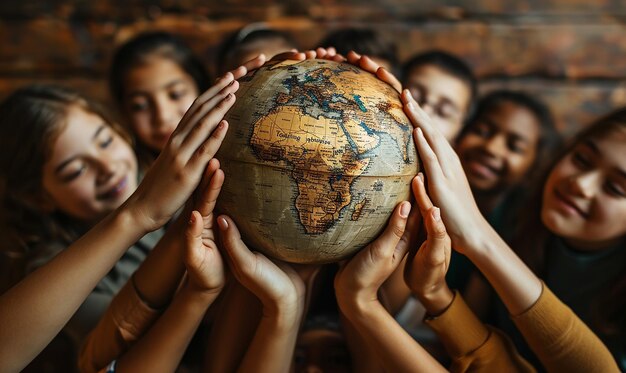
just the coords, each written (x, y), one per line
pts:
(571, 53)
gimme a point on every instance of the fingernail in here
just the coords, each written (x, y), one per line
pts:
(192, 219)
(420, 176)
(405, 209)
(222, 223)
(436, 214)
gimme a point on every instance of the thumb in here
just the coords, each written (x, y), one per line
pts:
(438, 238)
(240, 257)
(385, 245)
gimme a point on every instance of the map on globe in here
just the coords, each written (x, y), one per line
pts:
(317, 157)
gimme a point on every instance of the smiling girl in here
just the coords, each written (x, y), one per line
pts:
(154, 79)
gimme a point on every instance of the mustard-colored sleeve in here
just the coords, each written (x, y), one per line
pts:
(126, 320)
(472, 345)
(560, 339)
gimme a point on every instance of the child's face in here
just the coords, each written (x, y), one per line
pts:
(321, 350)
(499, 147)
(443, 96)
(584, 199)
(91, 171)
(157, 95)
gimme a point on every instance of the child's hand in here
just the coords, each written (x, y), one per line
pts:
(358, 281)
(202, 258)
(278, 286)
(178, 169)
(248, 66)
(367, 64)
(447, 183)
(425, 273)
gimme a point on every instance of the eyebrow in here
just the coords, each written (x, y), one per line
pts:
(61, 166)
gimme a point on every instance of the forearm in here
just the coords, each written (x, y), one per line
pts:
(274, 342)
(161, 349)
(518, 287)
(396, 349)
(233, 329)
(159, 275)
(35, 310)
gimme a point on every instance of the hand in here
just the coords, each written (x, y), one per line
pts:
(178, 169)
(447, 184)
(253, 64)
(367, 64)
(204, 263)
(321, 53)
(358, 281)
(425, 272)
(276, 284)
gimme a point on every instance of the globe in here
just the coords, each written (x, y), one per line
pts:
(317, 156)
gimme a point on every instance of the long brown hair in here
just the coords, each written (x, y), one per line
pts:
(531, 240)
(31, 119)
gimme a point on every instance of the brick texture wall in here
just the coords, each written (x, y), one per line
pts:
(571, 53)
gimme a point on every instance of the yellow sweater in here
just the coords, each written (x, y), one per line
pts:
(560, 339)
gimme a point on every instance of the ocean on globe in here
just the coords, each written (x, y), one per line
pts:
(317, 156)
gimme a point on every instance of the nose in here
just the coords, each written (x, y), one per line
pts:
(105, 166)
(164, 113)
(496, 145)
(585, 184)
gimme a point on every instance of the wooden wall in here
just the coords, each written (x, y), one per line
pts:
(572, 53)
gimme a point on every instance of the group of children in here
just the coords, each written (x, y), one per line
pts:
(116, 245)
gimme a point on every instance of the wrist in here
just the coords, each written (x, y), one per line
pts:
(437, 301)
(201, 293)
(284, 314)
(356, 304)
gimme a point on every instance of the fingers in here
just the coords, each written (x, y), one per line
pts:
(289, 55)
(310, 54)
(219, 85)
(239, 256)
(385, 245)
(353, 57)
(387, 77)
(419, 192)
(253, 64)
(438, 239)
(193, 235)
(210, 190)
(210, 122)
(428, 157)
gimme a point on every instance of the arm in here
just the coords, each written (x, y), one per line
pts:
(514, 282)
(162, 348)
(471, 345)
(282, 294)
(29, 322)
(130, 313)
(357, 285)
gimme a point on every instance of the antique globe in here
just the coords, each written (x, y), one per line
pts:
(317, 156)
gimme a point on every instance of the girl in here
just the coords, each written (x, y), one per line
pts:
(510, 135)
(154, 78)
(64, 169)
(593, 232)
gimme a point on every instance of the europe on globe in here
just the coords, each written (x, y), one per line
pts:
(317, 156)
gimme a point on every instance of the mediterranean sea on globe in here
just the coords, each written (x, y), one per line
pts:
(317, 156)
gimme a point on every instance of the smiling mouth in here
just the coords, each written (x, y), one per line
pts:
(570, 205)
(483, 170)
(116, 190)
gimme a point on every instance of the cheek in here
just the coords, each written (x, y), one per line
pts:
(609, 218)
(519, 165)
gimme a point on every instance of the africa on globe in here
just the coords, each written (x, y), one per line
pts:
(317, 156)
